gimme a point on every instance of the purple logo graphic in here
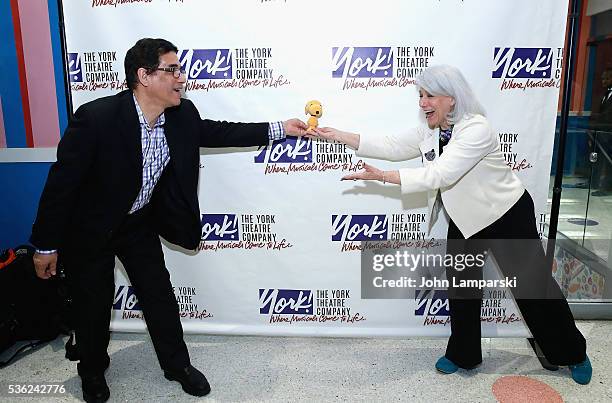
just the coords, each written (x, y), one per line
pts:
(201, 64)
(220, 227)
(125, 299)
(362, 62)
(522, 62)
(289, 150)
(359, 228)
(431, 303)
(75, 73)
(285, 302)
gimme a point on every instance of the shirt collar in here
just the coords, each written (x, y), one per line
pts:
(159, 122)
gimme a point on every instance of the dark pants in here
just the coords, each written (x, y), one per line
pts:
(91, 277)
(514, 242)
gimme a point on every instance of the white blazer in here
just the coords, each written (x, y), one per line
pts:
(475, 184)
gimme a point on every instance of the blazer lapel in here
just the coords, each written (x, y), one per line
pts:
(130, 129)
(429, 148)
(430, 152)
(172, 138)
(181, 157)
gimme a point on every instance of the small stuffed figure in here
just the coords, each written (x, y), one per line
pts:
(315, 110)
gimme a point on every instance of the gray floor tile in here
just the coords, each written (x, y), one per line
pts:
(281, 369)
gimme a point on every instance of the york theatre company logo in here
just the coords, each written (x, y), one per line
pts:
(244, 231)
(527, 68)
(434, 308)
(384, 66)
(210, 69)
(126, 302)
(116, 3)
(90, 71)
(298, 154)
(380, 231)
(507, 145)
(290, 306)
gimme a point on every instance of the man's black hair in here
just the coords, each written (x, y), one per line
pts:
(145, 53)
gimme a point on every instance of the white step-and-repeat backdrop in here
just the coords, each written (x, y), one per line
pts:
(280, 251)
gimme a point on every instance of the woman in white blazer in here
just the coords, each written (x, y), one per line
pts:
(465, 172)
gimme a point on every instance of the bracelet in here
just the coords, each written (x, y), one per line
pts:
(46, 252)
(384, 178)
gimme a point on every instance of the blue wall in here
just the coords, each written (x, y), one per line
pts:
(21, 183)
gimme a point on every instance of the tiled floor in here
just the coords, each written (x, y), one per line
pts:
(280, 369)
(579, 203)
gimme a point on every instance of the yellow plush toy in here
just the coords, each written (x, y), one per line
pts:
(315, 110)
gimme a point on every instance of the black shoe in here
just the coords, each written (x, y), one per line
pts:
(95, 389)
(192, 380)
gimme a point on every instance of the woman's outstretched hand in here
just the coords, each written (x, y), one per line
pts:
(369, 173)
(329, 133)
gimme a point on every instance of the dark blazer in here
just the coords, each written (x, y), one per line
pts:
(602, 119)
(98, 173)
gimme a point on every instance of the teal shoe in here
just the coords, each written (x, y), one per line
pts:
(446, 366)
(581, 373)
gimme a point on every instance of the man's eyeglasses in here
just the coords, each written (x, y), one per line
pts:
(175, 70)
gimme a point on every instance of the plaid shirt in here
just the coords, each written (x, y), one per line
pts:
(155, 153)
(155, 156)
(276, 131)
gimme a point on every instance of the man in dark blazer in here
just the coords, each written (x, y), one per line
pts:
(126, 173)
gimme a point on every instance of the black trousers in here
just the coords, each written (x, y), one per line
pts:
(90, 274)
(514, 242)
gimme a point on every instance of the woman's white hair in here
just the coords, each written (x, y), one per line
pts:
(448, 81)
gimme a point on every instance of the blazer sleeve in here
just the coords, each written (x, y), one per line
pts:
(75, 155)
(215, 134)
(392, 148)
(469, 145)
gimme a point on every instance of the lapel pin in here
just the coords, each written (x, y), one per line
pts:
(430, 155)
